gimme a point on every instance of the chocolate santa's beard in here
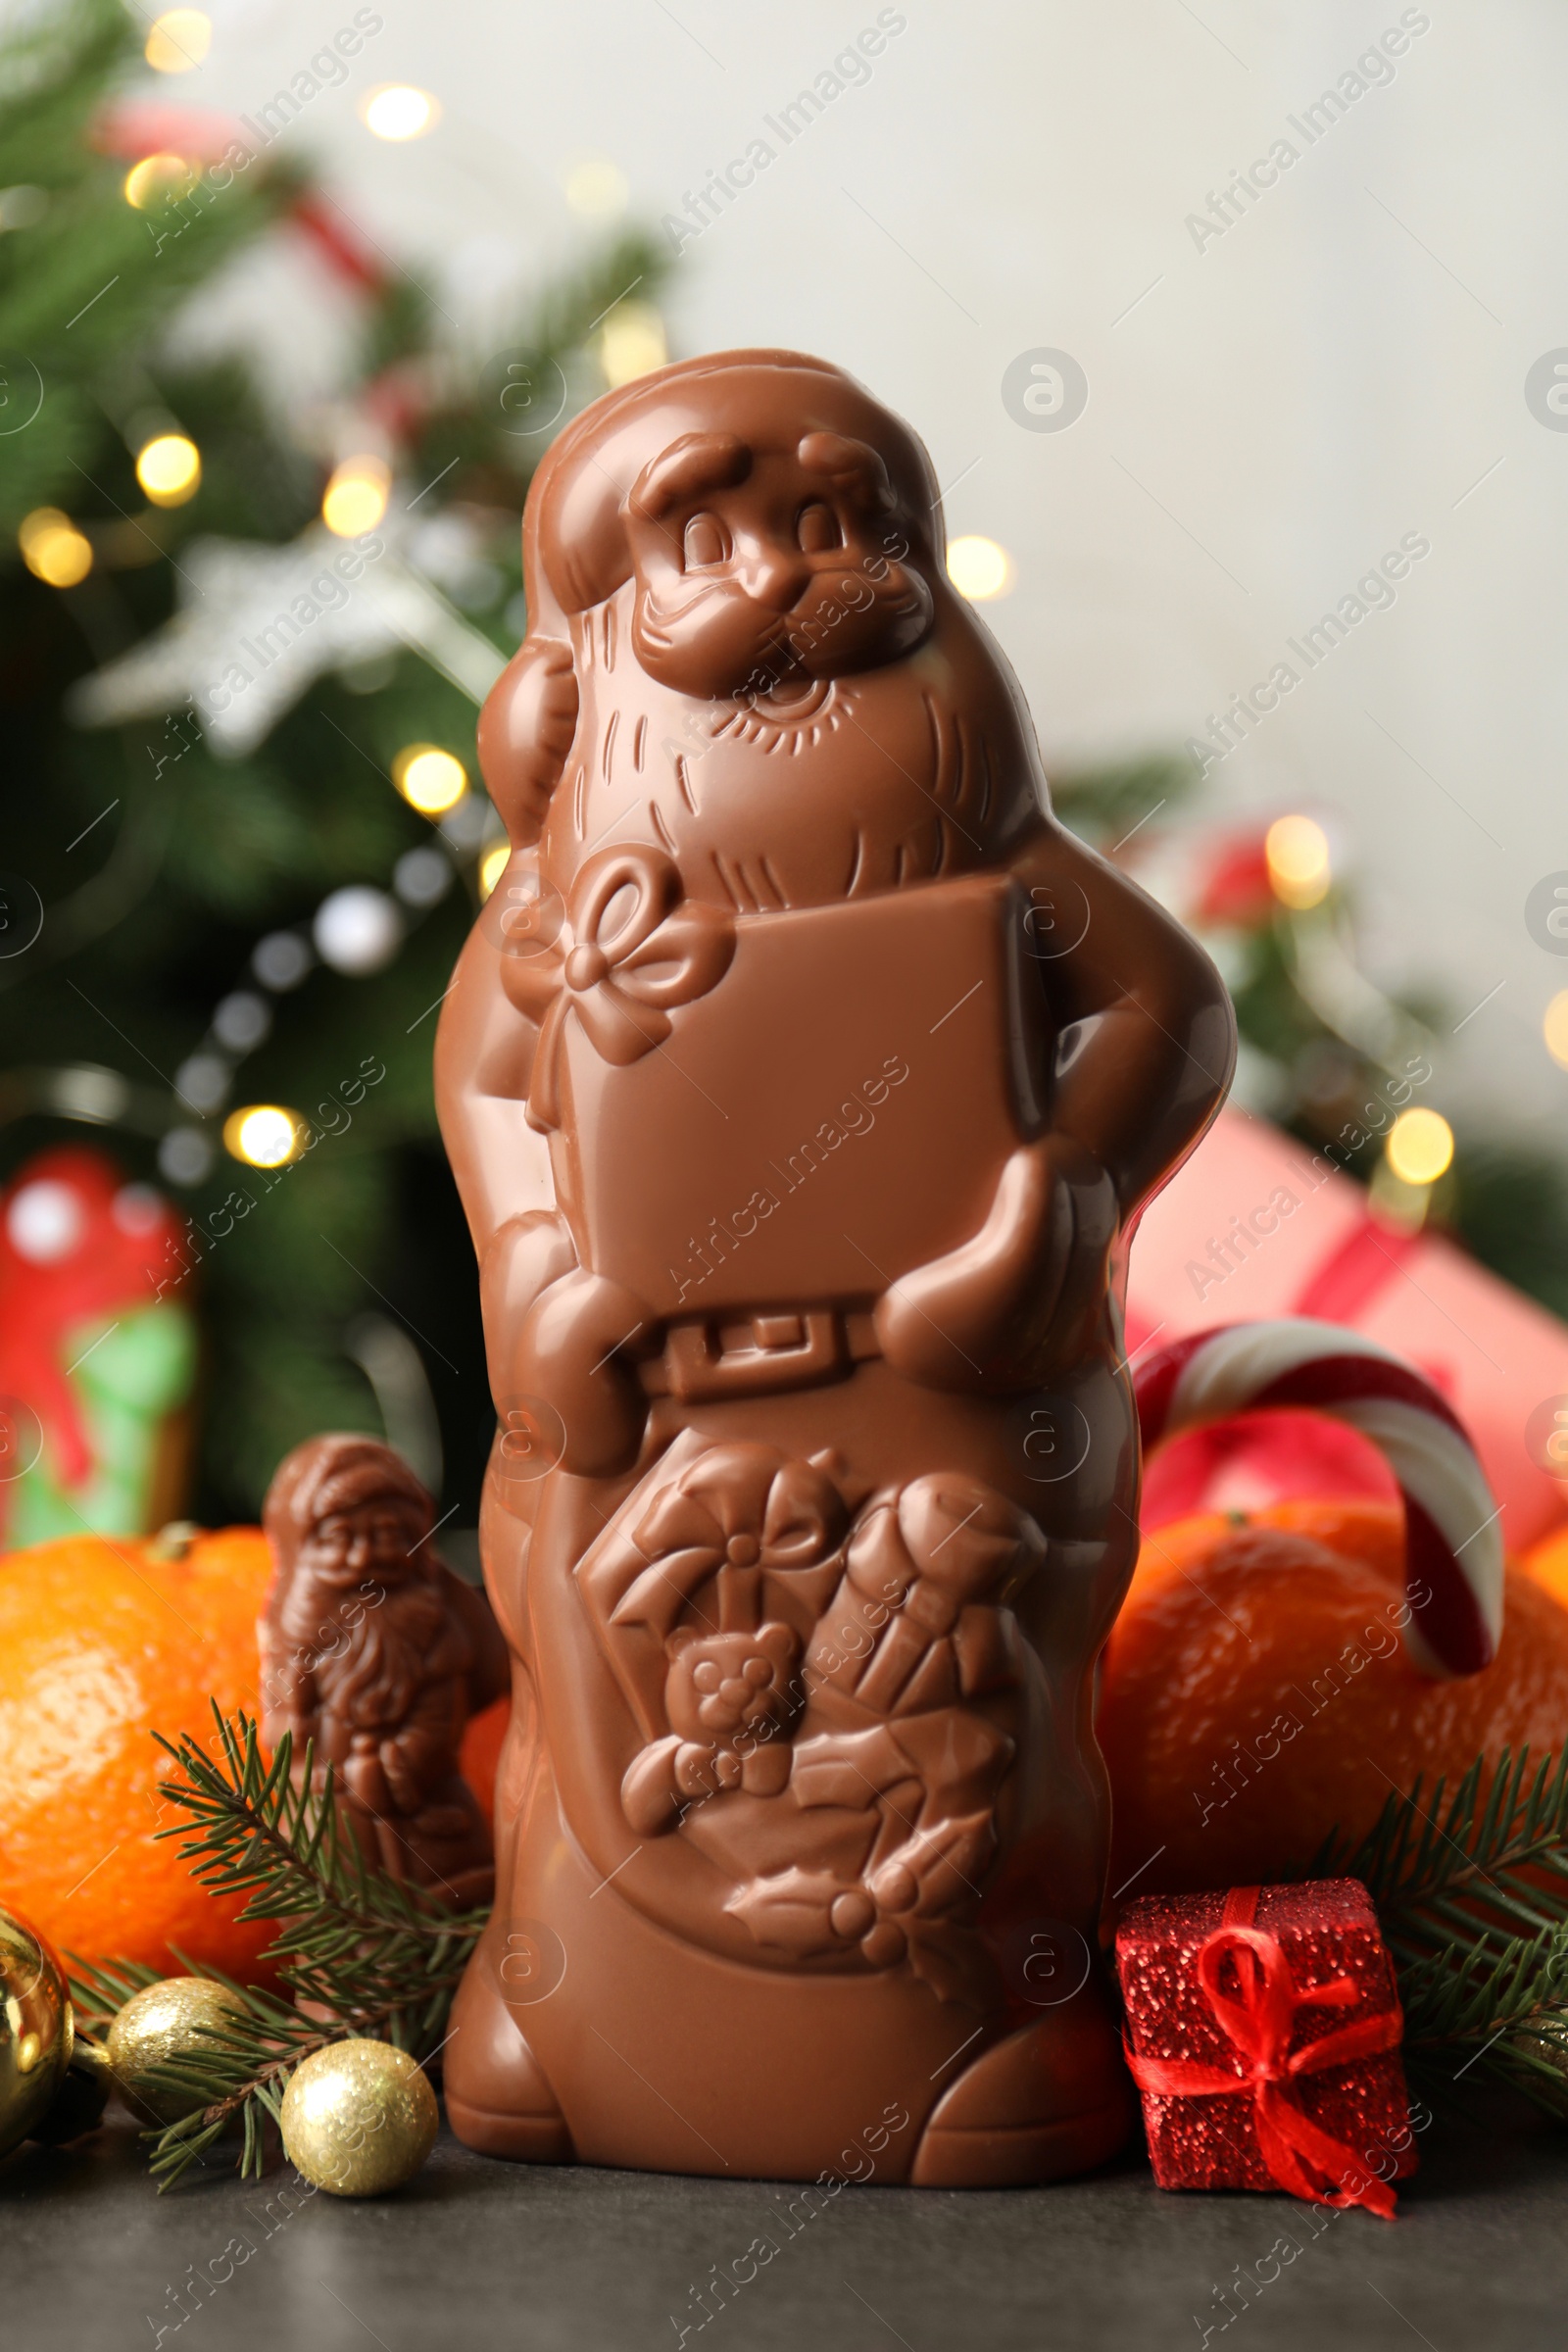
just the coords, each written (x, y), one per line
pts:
(818, 792)
(388, 1662)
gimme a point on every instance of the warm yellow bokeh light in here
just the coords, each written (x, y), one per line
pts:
(1554, 1028)
(492, 866)
(979, 569)
(179, 39)
(264, 1135)
(631, 343)
(53, 549)
(398, 111)
(354, 499)
(170, 469)
(429, 779)
(1420, 1147)
(1298, 854)
(596, 188)
(157, 177)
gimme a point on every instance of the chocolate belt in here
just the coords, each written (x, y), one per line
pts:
(716, 1356)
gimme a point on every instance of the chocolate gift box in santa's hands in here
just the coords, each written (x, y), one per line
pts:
(1258, 1226)
(681, 1193)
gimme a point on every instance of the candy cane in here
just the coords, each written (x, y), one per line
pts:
(1453, 1542)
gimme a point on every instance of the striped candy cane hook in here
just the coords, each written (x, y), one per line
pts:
(1453, 1542)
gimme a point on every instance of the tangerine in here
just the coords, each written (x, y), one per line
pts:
(1548, 1562)
(103, 1642)
(1256, 1693)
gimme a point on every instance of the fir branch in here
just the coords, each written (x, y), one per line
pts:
(363, 1953)
(1505, 2008)
(99, 1992)
(276, 1833)
(240, 2073)
(1472, 1900)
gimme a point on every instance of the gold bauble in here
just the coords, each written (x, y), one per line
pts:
(156, 2025)
(38, 2032)
(359, 2118)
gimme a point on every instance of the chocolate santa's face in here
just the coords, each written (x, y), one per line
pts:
(744, 649)
(758, 566)
(379, 1539)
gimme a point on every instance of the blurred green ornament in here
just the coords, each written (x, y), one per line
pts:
(129, 1378)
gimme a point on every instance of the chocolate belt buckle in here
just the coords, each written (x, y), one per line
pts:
(783, 1350)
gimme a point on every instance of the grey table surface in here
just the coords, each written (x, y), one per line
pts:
(476, 2253)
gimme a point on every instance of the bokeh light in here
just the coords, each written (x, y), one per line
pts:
(179, 39)
(398, 111)
(1554, 1028)
(596, 188)
(1420, 1147)
(429, 779)
(158, 179)
(1299, 872)
(264, 1135)
(170, 469)
(492, 866)
(979, 569)
(354, 499)
(631, 343)
(53, 549)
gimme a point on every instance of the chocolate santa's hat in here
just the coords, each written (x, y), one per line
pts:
(335, 1473)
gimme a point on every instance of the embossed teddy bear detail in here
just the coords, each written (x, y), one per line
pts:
(729, 1698)
(709, 1591)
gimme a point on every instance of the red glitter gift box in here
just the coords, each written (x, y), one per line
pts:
(1263, 2031)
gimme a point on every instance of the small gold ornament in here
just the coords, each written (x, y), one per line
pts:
(359, 2118)
(37, 2033)
(159, 2024)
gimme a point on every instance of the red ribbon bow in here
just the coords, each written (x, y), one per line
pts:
(1260, 2024)
(657, 950)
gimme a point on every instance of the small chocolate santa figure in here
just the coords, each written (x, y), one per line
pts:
(374, 1650)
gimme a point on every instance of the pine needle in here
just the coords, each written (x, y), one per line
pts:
(1471, 1891)
(99, 1993)
(374, 1956)
(1472, 1894)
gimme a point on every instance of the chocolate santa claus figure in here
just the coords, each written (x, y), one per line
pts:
(371, 1648)
(803, 1079)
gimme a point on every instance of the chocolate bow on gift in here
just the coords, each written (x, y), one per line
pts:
(1260, 2025)
(618, 978)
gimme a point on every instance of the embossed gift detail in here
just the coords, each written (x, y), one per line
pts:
(914, 1680)
(618, 964)
(707, 1599)
(867, 1690)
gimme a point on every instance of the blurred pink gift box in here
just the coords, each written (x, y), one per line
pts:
(1257, 1225)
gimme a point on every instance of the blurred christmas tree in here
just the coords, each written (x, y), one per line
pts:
(1323, 1051)
(243, 651)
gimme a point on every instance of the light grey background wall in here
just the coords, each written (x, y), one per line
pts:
(1270, 408)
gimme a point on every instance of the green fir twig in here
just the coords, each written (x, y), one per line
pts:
(99, 1993)
(371, 1955)
(1472, 1894)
